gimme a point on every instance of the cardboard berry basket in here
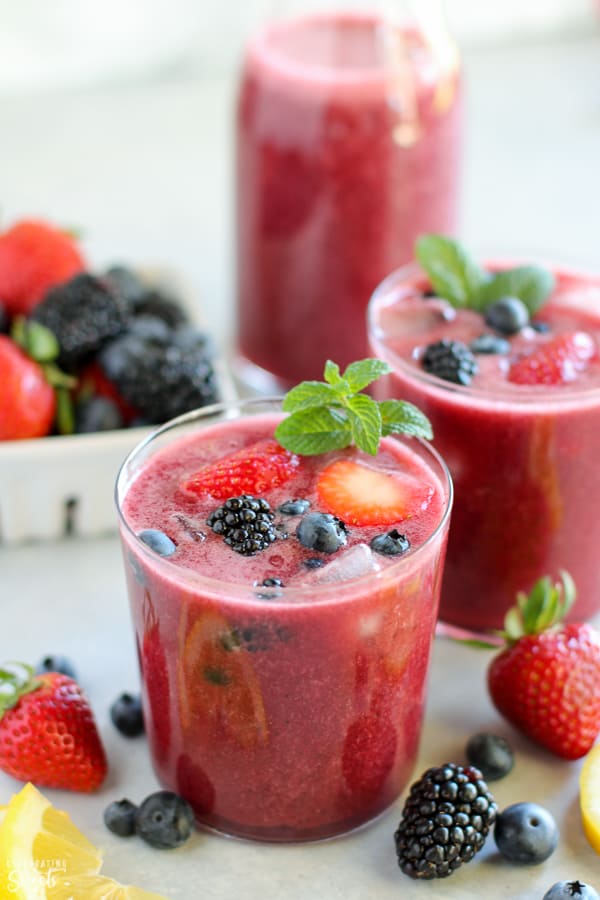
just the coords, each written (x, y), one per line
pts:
(59, 485)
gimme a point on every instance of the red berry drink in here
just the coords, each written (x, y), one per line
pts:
(347, 149)
(283, 687)
(521, 436)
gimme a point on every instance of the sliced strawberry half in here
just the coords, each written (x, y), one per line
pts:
(559, 361)
(360, 495)
(252, 470)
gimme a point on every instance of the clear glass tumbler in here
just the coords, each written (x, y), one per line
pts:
(524, 459)
(286, 715)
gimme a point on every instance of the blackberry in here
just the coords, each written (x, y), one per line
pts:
(450, 360)
(83, 314)
(163, 306)
(446, 819)
(246, 524)
(4, 319)
(157, 376)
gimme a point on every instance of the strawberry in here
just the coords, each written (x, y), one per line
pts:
(251, 470)
(34, 256)
(558, 361)
(547, 679)
(360, 495)
(47, 731)
(27, 401)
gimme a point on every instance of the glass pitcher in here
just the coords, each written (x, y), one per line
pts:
(348, 148)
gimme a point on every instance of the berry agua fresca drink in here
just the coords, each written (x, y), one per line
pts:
(283, 646)
(348, 134)
(504, 361)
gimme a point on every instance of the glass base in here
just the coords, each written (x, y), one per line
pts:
(254, 380)
(336, 831)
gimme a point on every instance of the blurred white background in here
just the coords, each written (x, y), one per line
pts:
(44, 45)
(116, 118)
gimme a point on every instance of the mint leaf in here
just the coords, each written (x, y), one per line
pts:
(307, 394)
(365, 372)
(454, 275)
(531, 284)
(314, 430)
(331, 415)
(332, 373)
(365, 420)
(401, 417)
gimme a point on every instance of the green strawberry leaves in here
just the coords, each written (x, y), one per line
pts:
(457, 277)
(333, 414)
(16, 680)
(41, 345)
(545, 606)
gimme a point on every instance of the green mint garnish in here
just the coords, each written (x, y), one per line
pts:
(458, 278)
(333, 414)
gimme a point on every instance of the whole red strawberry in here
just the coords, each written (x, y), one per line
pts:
(34, 256)
(47, 731)
(547, 680)
(27, 401)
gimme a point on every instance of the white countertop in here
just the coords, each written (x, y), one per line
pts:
(144, 170)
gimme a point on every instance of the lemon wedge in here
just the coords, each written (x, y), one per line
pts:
(96, 887)
(36, 840)
(43, 856)
(589, 797)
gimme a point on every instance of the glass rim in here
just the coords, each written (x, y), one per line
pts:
(284, 595)
(524, 396)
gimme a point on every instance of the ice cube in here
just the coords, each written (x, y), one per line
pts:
(352, 563)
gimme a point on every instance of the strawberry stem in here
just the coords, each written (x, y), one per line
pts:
(16, 679)
(543, 608)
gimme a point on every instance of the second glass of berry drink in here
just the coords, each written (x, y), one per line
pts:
(348, 146)
(514, 400)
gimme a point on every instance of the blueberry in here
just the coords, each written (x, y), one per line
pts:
(491, 754)
(391, 544)
(507, 315)
(119, 817)
(126, 714)
(164, 820)
(526, 833)
(489, 343)
(56, 663)
(97, 414)
(541, 328)
(322, 532)
(566, 890)
(314, 562)
(294, 507)
(157, 541)
(270, 583)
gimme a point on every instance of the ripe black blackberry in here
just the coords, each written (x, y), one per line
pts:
(450, 360)
(83, 314)
(157, 376)
(246, 524)
(445, 821)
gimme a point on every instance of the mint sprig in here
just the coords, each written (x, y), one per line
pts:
(458, 278)
(333, 414)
